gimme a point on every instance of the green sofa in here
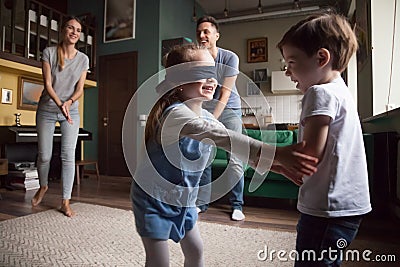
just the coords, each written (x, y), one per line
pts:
(275, 185)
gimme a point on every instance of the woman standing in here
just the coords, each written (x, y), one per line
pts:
(64, 70)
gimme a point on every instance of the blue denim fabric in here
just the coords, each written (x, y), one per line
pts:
(45, 125)
(231, 119)
(204, 195)
(326, 235)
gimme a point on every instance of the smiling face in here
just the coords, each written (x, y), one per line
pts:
(72, 31)
(203, 89)
(207, 35)
(301, 68)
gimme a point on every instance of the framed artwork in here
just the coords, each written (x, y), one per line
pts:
(29, 91)
(257, 50)
(260, 75)
(119, 20)
(6, 96)
(253, 89)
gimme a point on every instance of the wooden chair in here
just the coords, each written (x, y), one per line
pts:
(80, 171)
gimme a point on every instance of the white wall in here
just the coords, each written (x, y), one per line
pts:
(285, 108)
(374, 84)
(234, 37)
(385, 35)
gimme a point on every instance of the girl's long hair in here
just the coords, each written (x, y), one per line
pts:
(60, 50)
(179, 54)
(154, 119)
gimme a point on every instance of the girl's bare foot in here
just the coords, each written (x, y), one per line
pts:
(66, 208)
(39, 196)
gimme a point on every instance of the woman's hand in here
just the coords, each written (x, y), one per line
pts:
(294, 163)
(65, 110)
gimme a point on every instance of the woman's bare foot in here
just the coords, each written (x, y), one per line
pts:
(39, 196)
(66, 208)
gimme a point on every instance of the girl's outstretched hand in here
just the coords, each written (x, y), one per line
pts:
(295, 178)
(294, 163)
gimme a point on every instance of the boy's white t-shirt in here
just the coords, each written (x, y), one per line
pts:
(340, 186)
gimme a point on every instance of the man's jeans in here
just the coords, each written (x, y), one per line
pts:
(232, 119)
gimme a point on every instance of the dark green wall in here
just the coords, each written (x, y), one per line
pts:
(173, 24)
(146, 33)
(156, 20)
(90, 120)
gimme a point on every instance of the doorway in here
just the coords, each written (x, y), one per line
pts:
(117, 85)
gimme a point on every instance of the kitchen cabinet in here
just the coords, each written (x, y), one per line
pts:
(280, 83)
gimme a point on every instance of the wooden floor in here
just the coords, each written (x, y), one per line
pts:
(261, 213)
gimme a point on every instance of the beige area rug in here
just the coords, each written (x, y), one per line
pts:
(103, 236)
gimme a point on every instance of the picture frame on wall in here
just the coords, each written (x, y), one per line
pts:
(260, 75)
(6, 96)
(253, 89)
(29, 92)
(119, 20)
(257, 50)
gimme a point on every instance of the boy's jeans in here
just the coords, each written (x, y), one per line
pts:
(326, 238)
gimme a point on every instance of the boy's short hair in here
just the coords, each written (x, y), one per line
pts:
(328, 30)
(210, 19)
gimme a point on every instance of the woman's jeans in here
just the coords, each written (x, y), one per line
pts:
(322, 241)
(45, 125)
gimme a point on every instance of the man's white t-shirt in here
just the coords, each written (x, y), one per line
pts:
(340, 186)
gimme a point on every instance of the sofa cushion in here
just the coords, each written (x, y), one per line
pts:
(275, 185)
(220, 154)
(219, 163)
(219, 166)
(277, 189)
(279, 137)
(273, 176)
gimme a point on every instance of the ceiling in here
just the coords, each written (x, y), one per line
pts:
(248, 9)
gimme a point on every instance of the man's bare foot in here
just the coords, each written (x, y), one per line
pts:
(66, 208)
(39, 196)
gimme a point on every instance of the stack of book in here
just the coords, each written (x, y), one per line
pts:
(25, 177)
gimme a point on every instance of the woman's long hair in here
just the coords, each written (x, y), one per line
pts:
(60, 50)
(179, 54)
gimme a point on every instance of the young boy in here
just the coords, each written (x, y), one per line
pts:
(333, 199)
